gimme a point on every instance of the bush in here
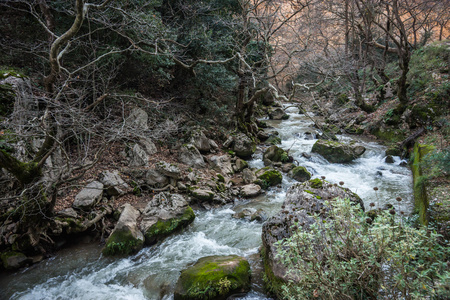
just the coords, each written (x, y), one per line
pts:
(350, 256)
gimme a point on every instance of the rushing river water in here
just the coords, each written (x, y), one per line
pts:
(83, 273)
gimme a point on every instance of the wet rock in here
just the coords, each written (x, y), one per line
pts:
(126, 238)
(273, 140)
(268, 177)
(300, 174)
(222, 164)
(287, 167)
(214, 277)
(165, 214)
(113, 183)
(137, 156)
(275, 154)
(251, 214)
(89, 195)
(336, 152)
(278, 114)
(262, 135)
(389, 159)
(306, 155)
(250, 190)
(190, 156)
(14, 260)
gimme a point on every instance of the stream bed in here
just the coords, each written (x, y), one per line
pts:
(81, 272)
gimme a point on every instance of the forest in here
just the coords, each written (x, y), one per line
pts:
(323, 125)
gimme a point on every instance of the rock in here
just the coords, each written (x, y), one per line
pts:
(273, 140)
(14, 260)
(278, 114)
(240, 165)
(243, 146)
(389, 159)
(190, 156)
(308, 136)
(228, 142)
(300, 174)
(148, 145)
(250, 190)
(138, 119)
(165, 214)
(68, 212)
(89, 195)
(137, 156)
(251, 214)
(336, 152)
(394, 150)
(214, 277)
(302, 200)
(306, 155)
(262, 135)
(126, 238)
(156, 179)
(200, 141)
(169, 170)
(203, 195)
(275, 154)
(248, 176)
(222, 164)
(268, 177)
(113, 183)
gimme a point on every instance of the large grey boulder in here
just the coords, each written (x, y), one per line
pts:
(190, 156)
(14, 260)
(251, 214)
(302, 200)
(113, 183)
(156, 179)
(168, 169)
(222, 164)
(278, 114)
(243, 146)
(148, 145)
(300, 174)
(137, 156)
(200, 141)
(90, 195)
(165, 214)
(138, 119)
(336, 152)
(250, 190)
(214, 277)
(248, 175)
(126, 238)
(203, 194)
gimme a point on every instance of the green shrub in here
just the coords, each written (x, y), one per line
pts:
(346, 257)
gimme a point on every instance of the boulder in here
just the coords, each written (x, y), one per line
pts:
(389, 159)
(203, 194)
(200, 141)
(214, 277)
(240, 165)
(268, 177)
(156, 179)
(90, 195)
(275, 154)
(251, 214)
(190, 156)
(273, 140)
(137, 156)
(113, 183)
(14, 260)
(250, 190)
(248, 176)
(278, 114)
(165, 214)
(138, 119)
(262, 135)
(168, 169)
(300, 174)
(243, 146)
(126, 238)
(302, 200)
(222, 164)
(336, 152)
(148, 145)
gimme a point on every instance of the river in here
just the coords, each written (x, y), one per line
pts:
(81, 272)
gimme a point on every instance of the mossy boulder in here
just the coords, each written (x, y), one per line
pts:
(165, 214)
(203, 195)
(214, 277)
(300, 174)
(14, 260)
(126, 238)
(268, 177)
(278, 114)
(273, 140)
(243, 146)
(275, 154)
(336, 152)
(394, 150)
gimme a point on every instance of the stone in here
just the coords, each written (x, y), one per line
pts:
(336, 152)
(137, 156)
(251, 214)
(250, 190)
(138, 119)
(156, 179)
(214, 277)
(262, 135)
(243, 146)
(148, 145)
(275, 154)
(222, 164)
(278, 114)
(200, 141)
(90, 195)
(203, 194)
(14, 260)
(168, 169)
(389, 159)
(300, 174)
(248, 176)
(240, 165)
(113, 183)
(68, 212)
(268, 177)
(190, 156)
(287, 167)
(165, 214)
(126, 238)
(273, 140)
(302, 200)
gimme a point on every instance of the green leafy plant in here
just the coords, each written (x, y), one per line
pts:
(348, 256)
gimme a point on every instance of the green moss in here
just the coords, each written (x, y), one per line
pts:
(73, 225)
(271, 177)
(316, 183)
(220, 177)
(273, 140)
(163, 228)
(122, 242)
(309, 192)
(220, 187)
(272, 284)
(389, 135)
(300, 174)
